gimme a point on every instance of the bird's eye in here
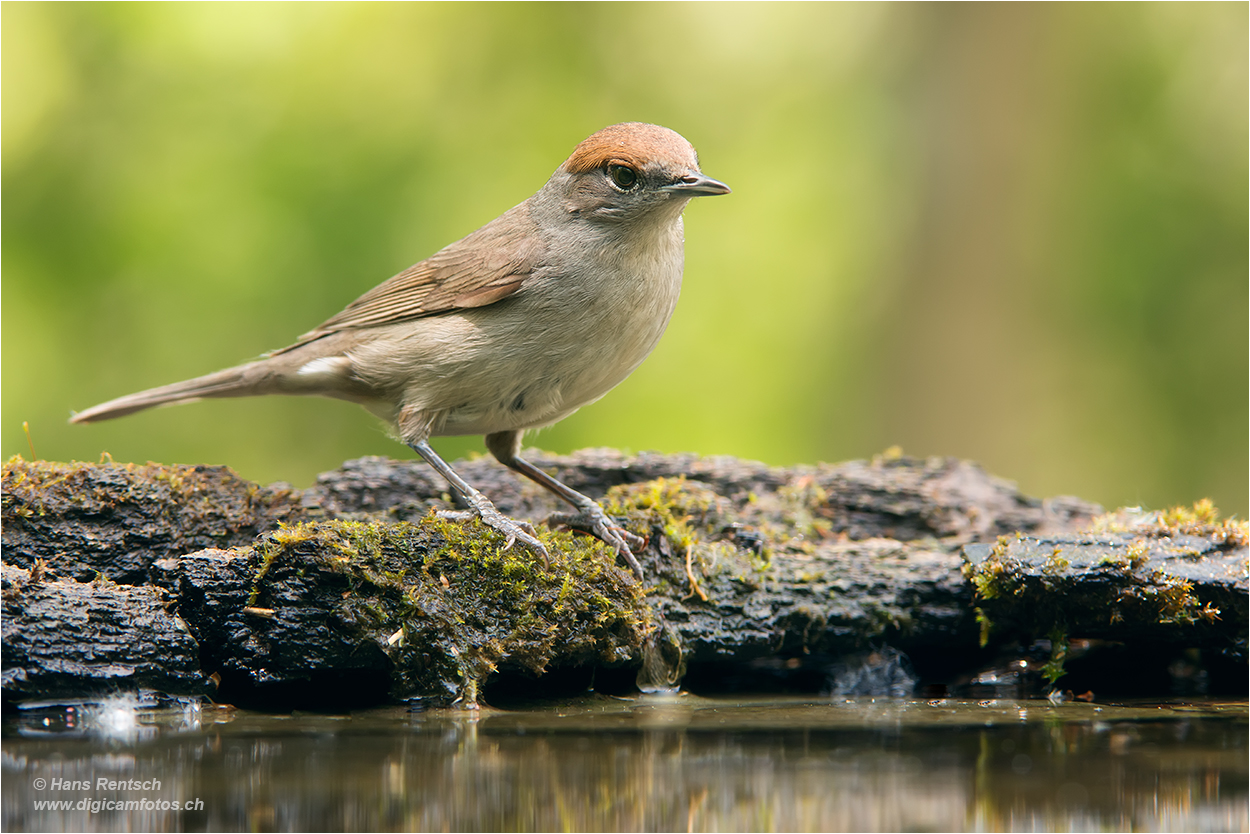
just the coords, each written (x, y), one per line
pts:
(622, 176)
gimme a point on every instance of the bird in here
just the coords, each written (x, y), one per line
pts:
(514, 327)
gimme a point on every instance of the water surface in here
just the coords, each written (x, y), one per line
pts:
(649, 763)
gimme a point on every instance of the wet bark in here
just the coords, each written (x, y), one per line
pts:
(79, 639)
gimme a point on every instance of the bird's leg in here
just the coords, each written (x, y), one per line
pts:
(589, 517)
(480, 505)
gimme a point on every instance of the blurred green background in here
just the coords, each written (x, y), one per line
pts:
(1012, 233)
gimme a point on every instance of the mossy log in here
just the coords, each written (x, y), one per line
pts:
(353, 592)
(83, 520)
(1148, 578)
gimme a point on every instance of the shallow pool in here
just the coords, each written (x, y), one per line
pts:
(648, 763)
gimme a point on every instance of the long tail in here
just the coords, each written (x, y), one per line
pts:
(241, 381)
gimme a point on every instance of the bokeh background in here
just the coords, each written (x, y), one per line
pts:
(1012, 233)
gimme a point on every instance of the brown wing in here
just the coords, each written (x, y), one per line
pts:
(488, 265)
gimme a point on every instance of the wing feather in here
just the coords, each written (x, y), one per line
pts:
(483, 268)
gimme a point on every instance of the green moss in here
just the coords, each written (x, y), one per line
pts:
(696, 541)
(175, 509)
(1034, 585)
(802, 502)
(1053, 669)
(983, 622)
(681, 508)
(449, 604)
(29, 487)
(1171, 600)
(1202, 515)
(1202, 519)
(997, 576)
(1056, 563)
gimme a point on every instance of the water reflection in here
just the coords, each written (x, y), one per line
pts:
(650, 763)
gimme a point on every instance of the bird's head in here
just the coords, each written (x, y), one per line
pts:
(631, 172)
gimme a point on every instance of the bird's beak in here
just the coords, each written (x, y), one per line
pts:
(696, 185)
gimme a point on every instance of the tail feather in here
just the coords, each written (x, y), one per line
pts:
(242, 381)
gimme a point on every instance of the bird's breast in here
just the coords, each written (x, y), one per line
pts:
(625, 298)
(567, 338)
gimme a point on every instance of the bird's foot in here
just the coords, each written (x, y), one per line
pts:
(591, 519)
(516, 532)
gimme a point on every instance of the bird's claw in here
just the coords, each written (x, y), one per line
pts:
(593, 520)
(513, 530)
